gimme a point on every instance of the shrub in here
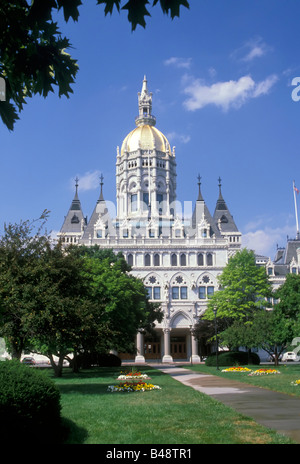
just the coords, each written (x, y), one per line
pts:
(87, 360)
(231, 358)
(29, 404)
(109, 360)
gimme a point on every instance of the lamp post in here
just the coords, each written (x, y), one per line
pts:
(216, 333)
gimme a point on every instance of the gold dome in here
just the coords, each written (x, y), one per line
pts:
(146, 137)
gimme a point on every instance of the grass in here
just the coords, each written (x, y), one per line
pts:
(278, 382)
(176, 414)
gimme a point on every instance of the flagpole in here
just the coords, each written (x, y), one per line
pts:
(296, 214)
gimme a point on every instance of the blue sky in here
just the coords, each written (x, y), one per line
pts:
(221, 77)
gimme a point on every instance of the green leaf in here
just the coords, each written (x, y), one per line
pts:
(136, 12)
(70, 8)
(109, 5)
(8, 114)
(172, 5)
(41, 10)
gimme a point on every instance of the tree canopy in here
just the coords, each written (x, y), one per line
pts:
(269, 330)
(33, 57)
(57, 301)
(244, 287)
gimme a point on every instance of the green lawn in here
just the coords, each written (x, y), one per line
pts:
(176, 414)
(281, 382)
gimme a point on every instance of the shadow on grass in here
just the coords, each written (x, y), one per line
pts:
(71, 433)
(84, 389)
(74, 383)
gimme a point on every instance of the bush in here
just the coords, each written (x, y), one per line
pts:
(29, 405)
(87, 360)
(231, 358)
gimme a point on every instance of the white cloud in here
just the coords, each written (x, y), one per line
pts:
(225, 94)
(253, 48)
(178, 62)
(89, 181)
(263, 87)
(172, 136)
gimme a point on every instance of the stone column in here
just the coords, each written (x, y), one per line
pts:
(140, 348)
(195, 358)
(167, 356)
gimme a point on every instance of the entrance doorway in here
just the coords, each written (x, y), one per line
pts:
(178, 348)
(152, 350)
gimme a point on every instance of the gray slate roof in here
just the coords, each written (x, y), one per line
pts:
(73, 220)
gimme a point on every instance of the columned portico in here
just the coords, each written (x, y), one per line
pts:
(182, 346)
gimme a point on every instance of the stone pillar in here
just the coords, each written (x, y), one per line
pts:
(167, 356)
(195, 358)
(140, 348)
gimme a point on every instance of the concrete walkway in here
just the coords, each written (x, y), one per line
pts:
(274, 410)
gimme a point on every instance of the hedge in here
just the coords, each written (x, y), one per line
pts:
(87, 360)
(29, 404)
(232, 358)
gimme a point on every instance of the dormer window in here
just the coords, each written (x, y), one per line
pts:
(75, 219)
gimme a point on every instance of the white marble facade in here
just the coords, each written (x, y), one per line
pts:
(177, 255)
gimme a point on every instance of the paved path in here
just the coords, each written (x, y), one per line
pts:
(274, 410)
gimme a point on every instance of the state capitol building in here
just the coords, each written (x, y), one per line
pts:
(177, 258)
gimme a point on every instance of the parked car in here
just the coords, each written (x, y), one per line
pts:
(28, 360)
(290, 356)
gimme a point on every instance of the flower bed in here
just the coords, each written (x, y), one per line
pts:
(133, 374)
(237, 369)
(132, 387)
(264, 372)
(296, 383)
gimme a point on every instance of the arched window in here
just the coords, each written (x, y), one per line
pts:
(130, 259)
(156, 259)
(174, 259)
(209, 259)
(147, 260)
(183, 259)
(200, 259)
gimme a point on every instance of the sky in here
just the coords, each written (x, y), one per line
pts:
(225, 93)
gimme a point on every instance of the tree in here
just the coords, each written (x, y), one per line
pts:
(21, 248)
(62, 312)
(32, 51)
(44, 302)
(268, 329)
(244, 287)
(204, 331)
(123, 297)
(288, 295)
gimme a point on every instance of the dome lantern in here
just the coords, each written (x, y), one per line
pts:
(145, 107)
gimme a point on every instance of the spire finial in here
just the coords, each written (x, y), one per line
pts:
(76, 187)
(101, 187)
(199, 186)
(220, 185)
